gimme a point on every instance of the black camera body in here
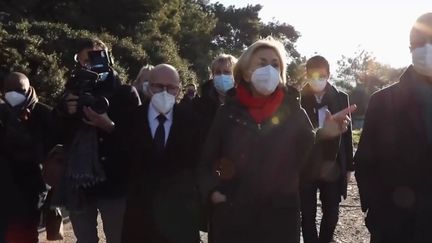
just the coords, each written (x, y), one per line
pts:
(100, 61)
(85, 81)
(99, 104)
(83, 84)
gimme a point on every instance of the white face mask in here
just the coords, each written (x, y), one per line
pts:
(318, 85)
(223, 82)
(163, 102)
(265, 79)
(422, 59)
(14, 98)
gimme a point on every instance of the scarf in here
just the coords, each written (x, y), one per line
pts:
(83, 170)
(260, 108)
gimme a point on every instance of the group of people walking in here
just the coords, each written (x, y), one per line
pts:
(243, 161)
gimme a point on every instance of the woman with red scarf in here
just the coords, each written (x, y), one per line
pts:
(259, 147)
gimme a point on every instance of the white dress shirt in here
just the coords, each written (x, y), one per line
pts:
(321, 112)
(154, 122)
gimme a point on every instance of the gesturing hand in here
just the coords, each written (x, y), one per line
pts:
(335, 125)
(95, 119)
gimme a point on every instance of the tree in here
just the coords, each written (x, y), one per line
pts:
(362, 75)
(44, 52)
(236, 29)
(296, 72)
(284, 32)
(93, 15)
(185, 33)
(195, 37)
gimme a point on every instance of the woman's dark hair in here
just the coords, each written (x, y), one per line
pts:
(318, 62)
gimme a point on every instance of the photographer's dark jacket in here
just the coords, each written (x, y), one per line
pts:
(342, 148)
(25, 139)
(123, 100)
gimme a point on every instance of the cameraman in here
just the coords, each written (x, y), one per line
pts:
(92, 116)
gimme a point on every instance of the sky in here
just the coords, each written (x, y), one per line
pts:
(333, 28)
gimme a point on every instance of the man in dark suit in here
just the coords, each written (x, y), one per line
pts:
(25, 139)
(319, 98)
(162, 202)
(393, 160)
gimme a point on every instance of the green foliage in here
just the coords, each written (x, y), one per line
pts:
(364, 71)
(93, 15)
(185, 33)
(237, 28)
(361, 76)
(44, 52)
(284, 32)
(296, 72)
(196, 36)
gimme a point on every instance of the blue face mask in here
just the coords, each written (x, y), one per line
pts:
(223, 82)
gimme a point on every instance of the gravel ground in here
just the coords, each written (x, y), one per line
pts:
(350, 228)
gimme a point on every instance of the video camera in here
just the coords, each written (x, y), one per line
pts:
(100, 61)
(84, 82)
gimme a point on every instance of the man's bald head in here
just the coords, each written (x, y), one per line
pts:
(16, 81)
(164, 75)
(421, 32)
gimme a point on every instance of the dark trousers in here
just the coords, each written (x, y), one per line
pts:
(397, 225)
(330, 198)
(232, 223)
(21, 228)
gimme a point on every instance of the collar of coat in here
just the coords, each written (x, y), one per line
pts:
(330, 98)
(239, 114)
(410, 77)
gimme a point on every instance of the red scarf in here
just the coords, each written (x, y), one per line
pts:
(260, 108)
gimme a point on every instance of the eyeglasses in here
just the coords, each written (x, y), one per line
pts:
(157, 88)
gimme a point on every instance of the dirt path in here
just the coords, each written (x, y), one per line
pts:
(350, 228)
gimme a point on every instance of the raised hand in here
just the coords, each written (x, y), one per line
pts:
(338, 123)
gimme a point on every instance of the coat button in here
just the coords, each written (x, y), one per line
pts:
(103, 158)
(101, 140)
